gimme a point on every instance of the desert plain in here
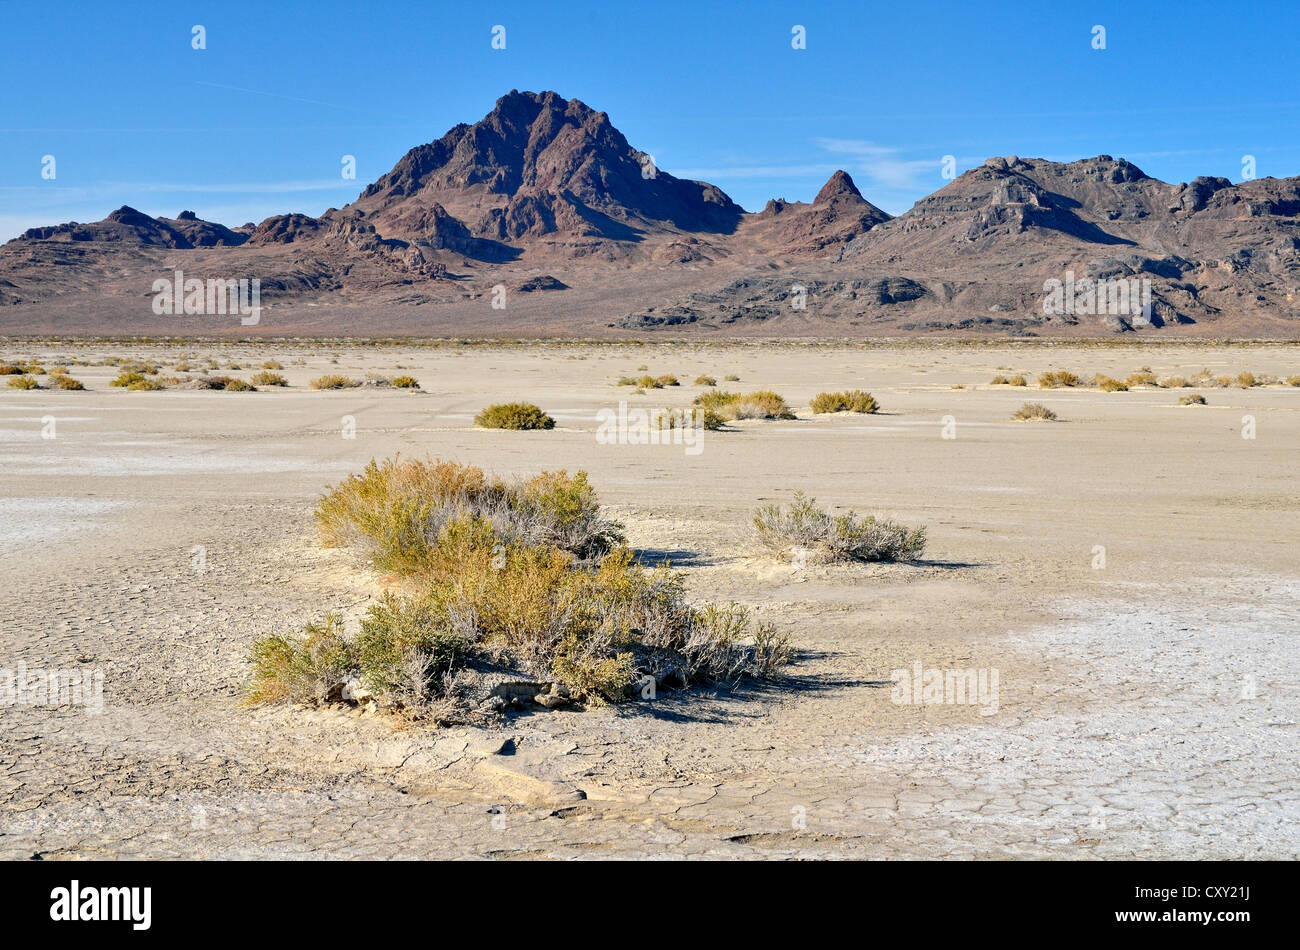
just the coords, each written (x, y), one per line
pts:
(1130, 572)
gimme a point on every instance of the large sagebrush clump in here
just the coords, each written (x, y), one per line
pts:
(523, 575)
(398, 508)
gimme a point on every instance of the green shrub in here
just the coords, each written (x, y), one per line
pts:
(398, 508)
(228, 384)
(302, 669)
(835, 538)
(398, 631)
(1034, 412)
(514, 415)
(334, 382)
(729, 406)
(127, 378)
(1056, 379)
(853, 400)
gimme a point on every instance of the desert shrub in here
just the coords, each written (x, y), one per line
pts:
(402, 636)
(1034, 412)
(698, 417)
(10, 369)
(1017, 381)
(399, 508)
(230, 384)
(309, 668)
(835, 537)
(267, 378)
(999, 381)
(1195, 399)
(705, 381)
(63, 381)
(648, 382)
(627, 381)
(1246, 380)
(334, 381)
(763, 404)
(406, 382)
(1141, 378)
(144, 384)
(591, 629)
(1293, 380)
(1055, 379)
(126, 379)
(1172, 382)
(594, 628)
(58, 370)
(272, 364)
(24, 382)
(668, 379)
(731, 378)
(853, 400)
(1110, 385)
(514, 415)
(138, 366)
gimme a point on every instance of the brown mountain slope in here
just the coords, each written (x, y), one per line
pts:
(544, 194)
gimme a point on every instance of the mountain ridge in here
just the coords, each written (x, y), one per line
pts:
(545, 192)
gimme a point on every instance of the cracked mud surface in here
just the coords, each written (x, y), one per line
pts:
(1145, 709)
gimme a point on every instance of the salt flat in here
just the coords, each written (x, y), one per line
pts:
(1148, 702)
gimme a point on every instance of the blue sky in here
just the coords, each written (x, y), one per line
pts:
(258, 122)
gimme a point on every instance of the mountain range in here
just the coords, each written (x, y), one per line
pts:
(542, 220)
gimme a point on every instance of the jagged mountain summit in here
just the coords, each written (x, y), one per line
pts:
(544, 204)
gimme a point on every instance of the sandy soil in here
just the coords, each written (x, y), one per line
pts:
(1148, 707)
